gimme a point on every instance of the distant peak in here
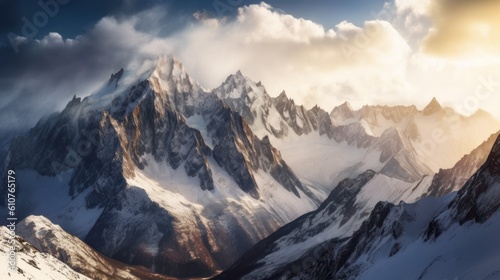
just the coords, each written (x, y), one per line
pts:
(115, 78)
(482, 113)
(317, 110)
(433, 107)
(282, 95)
(342, 112)
(346, 105)
(236, 77)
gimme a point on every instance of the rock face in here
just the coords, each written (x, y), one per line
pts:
(478, 200)
(452, 179)
(429, 239)
(161, 172)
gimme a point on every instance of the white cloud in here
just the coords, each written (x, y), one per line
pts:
(314, 65)
(420, 7)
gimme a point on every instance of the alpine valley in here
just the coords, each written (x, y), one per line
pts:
(152, 176)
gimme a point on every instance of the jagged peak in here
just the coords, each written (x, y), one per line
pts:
(283, 95)
(343, 111)
(235, 78)
(346, 105)
(316, 109)
(167, 66)
(433, 107)
(115, 78)
(237, 86)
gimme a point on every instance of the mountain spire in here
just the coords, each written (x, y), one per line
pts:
(283, 96)
(115, 78)
(432, 108)
(342, 112)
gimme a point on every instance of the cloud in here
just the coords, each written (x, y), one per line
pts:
(46, 73)
(459, 28)
(312, 64)
(420, 7)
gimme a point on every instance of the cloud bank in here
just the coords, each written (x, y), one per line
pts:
(312, 64)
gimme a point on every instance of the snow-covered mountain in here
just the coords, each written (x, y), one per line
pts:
(401, 142)
(153, 170)
(53, 240)
(449, 237)
(31, 263)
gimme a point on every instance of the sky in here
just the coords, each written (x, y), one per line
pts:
(399, 52)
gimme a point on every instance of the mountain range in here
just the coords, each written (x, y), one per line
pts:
(154, 176)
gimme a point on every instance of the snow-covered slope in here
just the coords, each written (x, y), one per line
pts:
(449, 237)
(339, 216)
(53, 240)
(152, 170)
(31, 263)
